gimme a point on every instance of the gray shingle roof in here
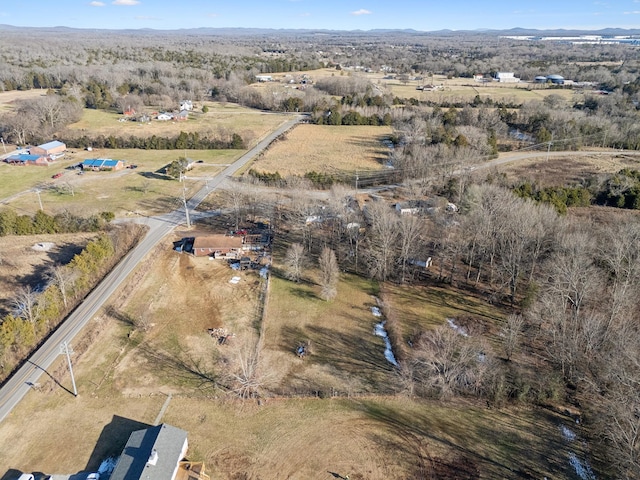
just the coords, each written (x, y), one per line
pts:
(170, 444)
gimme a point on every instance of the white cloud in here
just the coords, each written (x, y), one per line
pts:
(213, 15)
(635, 12)
(97, 4)
(306, 14)
(362, 11)
(125, 2)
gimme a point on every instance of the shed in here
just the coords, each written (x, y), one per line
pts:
(51, 148)
(101, 164)
(24, 159)
(183, 115)
(153, 453)
(217, 246)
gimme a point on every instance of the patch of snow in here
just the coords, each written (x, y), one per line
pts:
(568, 434)
(43, 246)
(583, 470)
(380, 331)
(264, 272)
(376, 312)
(234, 280)
(457, 328)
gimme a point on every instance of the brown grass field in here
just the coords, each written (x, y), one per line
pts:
(251, 124)
(125, 375)
(21, 265)
(327, 149)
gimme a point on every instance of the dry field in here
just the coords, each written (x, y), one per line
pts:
(326, 149)
(125, 374)
(7, 99)
(570, 170)
(220, 119)
(21, 265)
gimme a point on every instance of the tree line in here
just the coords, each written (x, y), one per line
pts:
(35, 313)
(42, 223)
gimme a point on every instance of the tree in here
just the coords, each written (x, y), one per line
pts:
(177, 168)
(63, 278)
(382, 239)
(25, 304)
(410, 229)
(294, 262)
(511, 334)
(329, 274)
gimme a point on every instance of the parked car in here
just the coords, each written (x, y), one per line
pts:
(93, 476)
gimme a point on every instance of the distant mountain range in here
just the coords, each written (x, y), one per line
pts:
(607, 32)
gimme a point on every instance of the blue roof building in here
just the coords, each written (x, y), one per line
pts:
(102, 164)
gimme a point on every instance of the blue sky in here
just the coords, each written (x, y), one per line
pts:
(426, 15)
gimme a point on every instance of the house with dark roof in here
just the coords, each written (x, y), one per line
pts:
(101, 164)
(53, 148)
(155, 453)
(28, 159)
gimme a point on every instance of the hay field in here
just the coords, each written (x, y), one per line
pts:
(327, 149)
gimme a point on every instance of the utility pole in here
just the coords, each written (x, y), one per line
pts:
(549, 146)
(186, 208)
(39, 199)
(64, 349)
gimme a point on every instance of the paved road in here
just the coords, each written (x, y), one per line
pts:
(29, 374)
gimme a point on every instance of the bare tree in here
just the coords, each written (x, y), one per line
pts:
(25, 303)
(329, 274)
(382, 239)
(511, 334)
(63, 278)
(294, 262)
(410, 228)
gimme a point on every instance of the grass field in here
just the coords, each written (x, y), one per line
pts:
(124, 376)
(141, 190)
(228, 117)
(326, 149)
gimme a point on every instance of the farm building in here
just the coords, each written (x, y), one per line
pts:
(158, 453)
(555, 79)
(264, 78)
(218, 246)
(53, 149)
(24, 159)
(102, 164)
(164, 117)
(506, 77)
(183, 115)
(186, 105)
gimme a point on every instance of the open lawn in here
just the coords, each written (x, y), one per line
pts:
(326, 149)
(152, 342)
(142, 189)
(8, 99)
(221, 119)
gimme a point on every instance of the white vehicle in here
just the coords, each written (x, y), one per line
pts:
(93, 476)
(26, 476)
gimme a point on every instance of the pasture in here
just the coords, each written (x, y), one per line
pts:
(326, 149)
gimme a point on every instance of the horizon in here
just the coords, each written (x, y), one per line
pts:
(333, 15)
